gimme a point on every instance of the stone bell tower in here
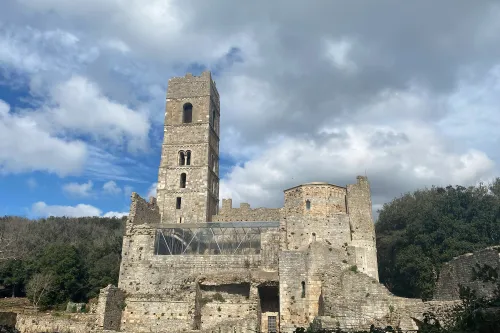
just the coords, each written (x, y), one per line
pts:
(188, 180)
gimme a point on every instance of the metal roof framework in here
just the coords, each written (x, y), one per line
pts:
(211, 238)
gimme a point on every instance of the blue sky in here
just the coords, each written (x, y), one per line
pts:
(308, 93)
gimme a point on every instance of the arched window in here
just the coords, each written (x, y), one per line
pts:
(188, 157)
(183, 180)
(182, 158)
(187, 113)
(308, 204)
(303, 289)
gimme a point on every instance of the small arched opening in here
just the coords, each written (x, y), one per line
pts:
(187, 113)
(188, 157)
(308, 204)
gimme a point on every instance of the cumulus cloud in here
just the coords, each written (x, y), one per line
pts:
(25, 146)
(111, 187)
(116, 214)
(322, 96)
(80, 107)
(79, 190)
(40, 209)
(398, 155)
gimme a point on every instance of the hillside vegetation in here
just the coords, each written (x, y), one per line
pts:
(419, 231)
(58, 259)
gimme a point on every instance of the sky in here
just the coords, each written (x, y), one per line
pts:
(407, 93)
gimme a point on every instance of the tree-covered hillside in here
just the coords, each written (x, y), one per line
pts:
(57, 259)
(420, 231)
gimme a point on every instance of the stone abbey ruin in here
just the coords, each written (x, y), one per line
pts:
(188, 266)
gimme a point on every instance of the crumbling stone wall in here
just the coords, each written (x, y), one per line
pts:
(40, 323)
(142, 212)
(359, 208)
(460, 271)
(109, 308)
(229, 214)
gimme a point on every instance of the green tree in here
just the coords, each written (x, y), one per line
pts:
(419, 231)
(64, 264)
(13, 275)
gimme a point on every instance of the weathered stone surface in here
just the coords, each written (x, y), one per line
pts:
(198, 199)
(38, 323)
(460, 271)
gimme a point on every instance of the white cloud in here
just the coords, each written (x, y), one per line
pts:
(403, 154)
(42, 209)
(116, 214)
(25, 146)
(80, 107)
(152, 190)
(287, 108)
(79, 190)
(110, 187)
(81, 210)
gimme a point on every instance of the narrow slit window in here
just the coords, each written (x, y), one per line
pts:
(183, 180)
(308, 204)
(212, 162)
(188, 157)
(303, 289)
(187, 113)
(178, 203)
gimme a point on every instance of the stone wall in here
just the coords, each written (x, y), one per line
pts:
(142, 212)
(164, 291)
(229, 214)
(359, 208)
(63, 323)
(109, 308)
(460, 271)
(199, 198)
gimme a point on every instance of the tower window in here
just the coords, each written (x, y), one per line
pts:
(183, 180)
(188, 157)
(303, 289)
(178, 203)
(187, 113)
(182, 158)
(212, 162)
(308, 204)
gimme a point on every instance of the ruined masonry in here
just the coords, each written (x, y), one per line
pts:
(189, 267)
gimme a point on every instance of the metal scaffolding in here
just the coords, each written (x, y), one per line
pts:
(211, 238)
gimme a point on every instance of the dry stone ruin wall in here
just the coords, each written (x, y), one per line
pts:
(244, 214)
(460, 271)
(359, 208)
